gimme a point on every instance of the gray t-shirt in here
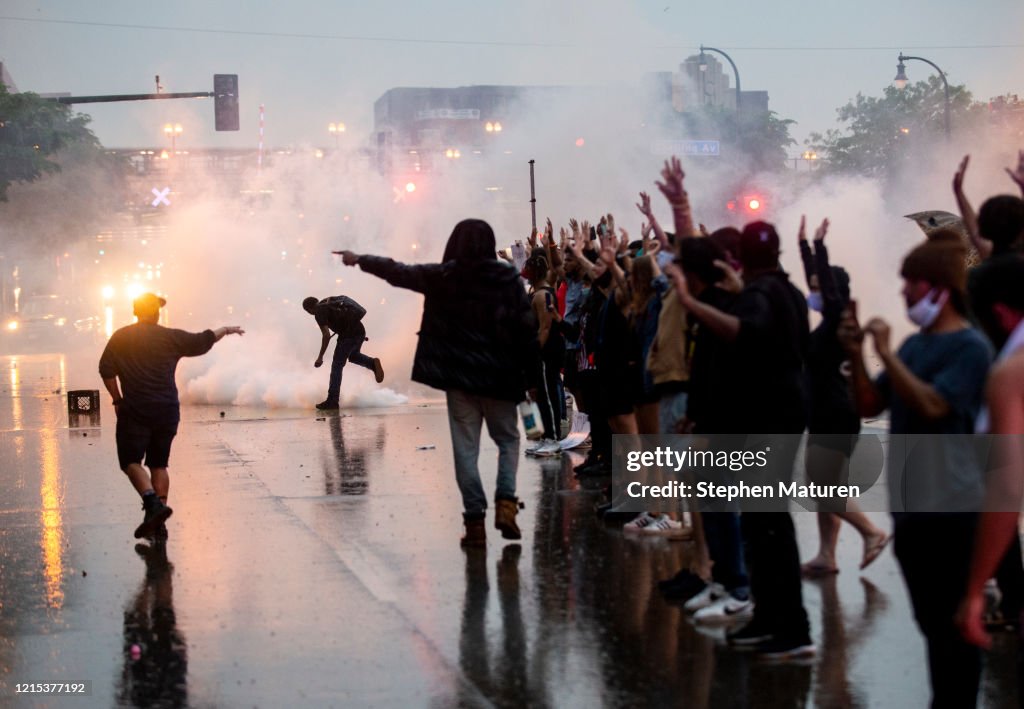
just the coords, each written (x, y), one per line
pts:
(935, 464)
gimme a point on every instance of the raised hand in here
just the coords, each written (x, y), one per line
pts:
(703, 230)
(801, 235)
(1018, 174)
(623, 241)
(672, 186)
(958, 177)
(880, 331)
(608, 255)
(645, 232)
(610, 222)
(819, 233)
(549, 231)
(532, 240)
(644, 205)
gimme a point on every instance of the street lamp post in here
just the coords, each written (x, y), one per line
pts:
(173, 131)
(336, 129)
(735, 71)
(901, 81)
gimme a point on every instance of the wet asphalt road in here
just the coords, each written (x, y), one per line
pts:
(316, 563)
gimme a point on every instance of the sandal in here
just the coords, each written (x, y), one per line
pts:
(873, 551)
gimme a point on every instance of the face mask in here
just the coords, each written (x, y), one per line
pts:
(814, 301)
(924, 312)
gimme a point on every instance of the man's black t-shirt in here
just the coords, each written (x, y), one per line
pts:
(769, 356)
(712, 399)
(143, 357)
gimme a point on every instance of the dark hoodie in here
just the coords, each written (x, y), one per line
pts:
(478, 333)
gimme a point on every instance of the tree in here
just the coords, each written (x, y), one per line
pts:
(759, 138)
(33, 129)
(883, 133)
(56, 181)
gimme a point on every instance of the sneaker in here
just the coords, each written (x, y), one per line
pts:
(544, 444)
(155, 514)
(664, 526)
(750, 635)
(328, 405)
(378, 370)
(726, 610)
(778, 649)
(681, 576)
(683, 589)
(549, 449)
(711, 593)
(639, 523)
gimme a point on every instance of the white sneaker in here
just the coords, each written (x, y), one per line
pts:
(550, 448)
(711, 593)
(663, 526)
(640, 523)
(726, 610)
(542, 443)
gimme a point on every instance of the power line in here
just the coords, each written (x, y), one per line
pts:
(480, 43)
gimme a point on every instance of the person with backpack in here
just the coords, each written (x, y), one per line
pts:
(343, 316)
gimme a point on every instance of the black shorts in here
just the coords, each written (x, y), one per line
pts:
(139, 442)
(841, 442)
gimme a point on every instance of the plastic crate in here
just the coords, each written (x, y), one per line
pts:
(83, 401)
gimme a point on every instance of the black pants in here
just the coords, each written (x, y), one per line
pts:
(773, 560)
(1010, 577)
(548, 392)
(600, 433)
(934, 553)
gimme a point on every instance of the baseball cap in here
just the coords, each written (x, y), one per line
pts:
(148, 303)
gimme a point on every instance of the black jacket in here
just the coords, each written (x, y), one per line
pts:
(478, 333)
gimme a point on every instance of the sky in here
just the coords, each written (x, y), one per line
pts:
(315, 62)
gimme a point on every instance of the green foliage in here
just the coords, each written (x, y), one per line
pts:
(881, 134)
(760, 138)
(32, 130)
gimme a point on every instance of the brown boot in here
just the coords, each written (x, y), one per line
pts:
(476, 533)
(505, 518)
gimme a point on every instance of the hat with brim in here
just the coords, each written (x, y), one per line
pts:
(148, 303)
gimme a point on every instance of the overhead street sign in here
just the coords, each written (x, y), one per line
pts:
(709, 148)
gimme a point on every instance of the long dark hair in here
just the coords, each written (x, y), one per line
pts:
(471, 240)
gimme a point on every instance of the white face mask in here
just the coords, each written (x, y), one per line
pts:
(815, 302)
(924, 312)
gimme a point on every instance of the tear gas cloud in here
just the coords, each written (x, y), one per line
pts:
(233, 262)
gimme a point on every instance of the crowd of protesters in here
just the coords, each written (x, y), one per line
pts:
(703, 332)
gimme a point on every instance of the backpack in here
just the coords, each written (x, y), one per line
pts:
(345, 309)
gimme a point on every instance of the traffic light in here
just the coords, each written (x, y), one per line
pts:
(225, 101)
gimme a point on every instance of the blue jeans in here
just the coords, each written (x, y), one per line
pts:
(346, 350)
(466, 413)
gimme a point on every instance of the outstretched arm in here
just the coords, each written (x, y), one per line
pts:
(417, 277)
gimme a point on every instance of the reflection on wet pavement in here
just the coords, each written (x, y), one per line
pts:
(316, 563)
(155, 652)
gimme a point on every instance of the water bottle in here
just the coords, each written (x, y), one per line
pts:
(531, 420)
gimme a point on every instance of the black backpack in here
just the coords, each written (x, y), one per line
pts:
(345, 309)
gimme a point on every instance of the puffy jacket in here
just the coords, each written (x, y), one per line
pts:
(478, 333)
